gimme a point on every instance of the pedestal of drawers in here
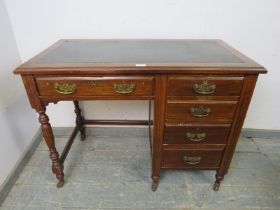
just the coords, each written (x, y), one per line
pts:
(200, 119)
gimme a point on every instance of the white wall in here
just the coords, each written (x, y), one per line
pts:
(17, 121)
(251, 26)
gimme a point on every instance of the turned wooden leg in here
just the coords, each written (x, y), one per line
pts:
(80, 120)
(219, 179)
(57, 167)
(155, 183)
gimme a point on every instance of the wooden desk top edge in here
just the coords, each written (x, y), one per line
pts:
(249, 66)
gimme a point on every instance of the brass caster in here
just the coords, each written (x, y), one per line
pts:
(216, 186)
(60, 184)
(154, 186)
(83, 137)
(83, 134)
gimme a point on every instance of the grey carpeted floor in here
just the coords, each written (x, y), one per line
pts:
(111, 170)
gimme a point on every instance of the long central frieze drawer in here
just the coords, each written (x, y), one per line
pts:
(96, 86)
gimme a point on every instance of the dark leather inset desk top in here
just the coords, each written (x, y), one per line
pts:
(139, 51)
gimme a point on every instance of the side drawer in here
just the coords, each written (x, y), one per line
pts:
(96, 86)
(201, 85)
(203, 159)
(180, 112)
(196, 134)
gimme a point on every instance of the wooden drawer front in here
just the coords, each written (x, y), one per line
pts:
(199, 85)
(96, 86)
(196, 134)
(179, 112)
(207, 159)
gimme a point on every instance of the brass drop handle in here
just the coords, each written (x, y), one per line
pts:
(192, 160)
(93, 83)
(65, 88)
(195, 136)
(124, 88)
(200, 111)
(204, 88)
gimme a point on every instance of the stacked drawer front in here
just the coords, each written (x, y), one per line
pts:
(198, 118)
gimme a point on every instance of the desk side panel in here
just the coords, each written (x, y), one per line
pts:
(31, 91)
(159, 115)
(246, 95)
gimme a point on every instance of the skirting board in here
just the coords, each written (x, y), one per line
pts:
(260, 133)
(6, 187)
(97, 131)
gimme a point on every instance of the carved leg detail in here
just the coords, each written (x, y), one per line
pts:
(218, 181)
(155, 183)
(83, 133)
(80, 120)
(57, 167)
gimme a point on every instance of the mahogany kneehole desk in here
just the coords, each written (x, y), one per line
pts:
(201, 91)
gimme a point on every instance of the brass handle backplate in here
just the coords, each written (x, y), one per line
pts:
(195, 136)
(200, 111)
(124, 88)
(204, 88)
(192, 160)
(65, 88)
(93, 83)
